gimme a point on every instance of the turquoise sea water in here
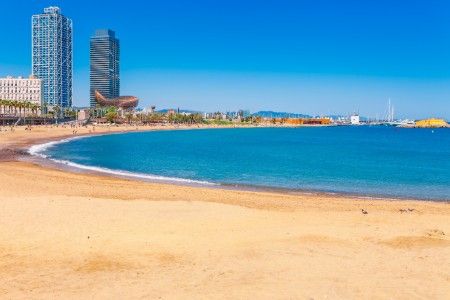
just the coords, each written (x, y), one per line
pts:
(370, 161)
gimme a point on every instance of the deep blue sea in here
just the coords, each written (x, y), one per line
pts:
(368, 161)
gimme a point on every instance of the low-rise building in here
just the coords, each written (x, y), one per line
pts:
(83, 114)
(149, 110)
(21, 89)
(354, 119)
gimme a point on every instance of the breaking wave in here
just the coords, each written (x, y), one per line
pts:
(39, 150)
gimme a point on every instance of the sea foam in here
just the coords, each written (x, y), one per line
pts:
(38, 151)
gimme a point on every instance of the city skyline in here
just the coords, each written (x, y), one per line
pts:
(287, 57)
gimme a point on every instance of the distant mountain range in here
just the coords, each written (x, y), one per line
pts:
(274, 114)
(268, 114)
(165, 110)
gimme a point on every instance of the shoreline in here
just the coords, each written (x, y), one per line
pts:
(155, 178)
(77, 235)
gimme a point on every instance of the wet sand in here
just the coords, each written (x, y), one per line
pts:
(79, 235)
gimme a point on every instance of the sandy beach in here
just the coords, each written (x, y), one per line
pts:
(67, 235)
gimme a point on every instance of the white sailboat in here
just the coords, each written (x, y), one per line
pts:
(390, 118)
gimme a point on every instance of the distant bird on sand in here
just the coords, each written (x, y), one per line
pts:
(364, 212)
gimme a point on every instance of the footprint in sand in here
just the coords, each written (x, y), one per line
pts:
(431, 238)
(435, 233)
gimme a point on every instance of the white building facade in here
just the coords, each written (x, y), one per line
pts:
(21, 89)
(354, 120)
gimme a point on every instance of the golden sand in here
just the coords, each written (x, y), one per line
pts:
(70, 235)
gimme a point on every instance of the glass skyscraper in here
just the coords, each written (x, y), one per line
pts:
(104, 72)
(52, 55)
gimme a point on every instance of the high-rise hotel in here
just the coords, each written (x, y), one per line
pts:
(104, 71)
(52, 56)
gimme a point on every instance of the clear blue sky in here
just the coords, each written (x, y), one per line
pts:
(316, 57)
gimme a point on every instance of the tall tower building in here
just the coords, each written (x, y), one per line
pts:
(104, 73)
(52, 55)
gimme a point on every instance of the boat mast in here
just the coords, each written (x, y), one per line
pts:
(390, 115)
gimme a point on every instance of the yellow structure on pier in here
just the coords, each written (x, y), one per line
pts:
(431, 123)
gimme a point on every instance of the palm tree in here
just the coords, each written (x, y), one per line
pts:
(20, 105)
(31, 108)
(28, 106)
(44, 109)
(10, 105)
(129, 117)
(34, 108)
(14, 105)
(56, 112)
(2, 106)
(25, 106)
(6, 104)
(111, 114)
